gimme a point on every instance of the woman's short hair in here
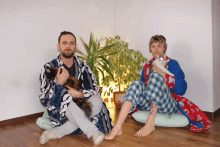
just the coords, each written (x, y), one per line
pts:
(160, 39)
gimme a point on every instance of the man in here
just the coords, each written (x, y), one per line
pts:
(65, 116)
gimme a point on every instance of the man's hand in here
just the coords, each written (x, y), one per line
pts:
(62, 77)
(75, 93)
(155, 68)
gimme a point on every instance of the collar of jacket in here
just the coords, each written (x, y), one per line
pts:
(60, 62)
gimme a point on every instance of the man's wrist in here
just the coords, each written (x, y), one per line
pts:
(59, 84)
(79, 94)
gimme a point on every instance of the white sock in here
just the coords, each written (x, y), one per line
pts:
(98, 137)
(47, 135)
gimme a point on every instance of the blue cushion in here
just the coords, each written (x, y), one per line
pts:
(44, 123)
(163, 120)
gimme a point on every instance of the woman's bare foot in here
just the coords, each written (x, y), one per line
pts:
(146, 130)
(115, 131)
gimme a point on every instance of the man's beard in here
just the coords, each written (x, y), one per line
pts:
(67, 54)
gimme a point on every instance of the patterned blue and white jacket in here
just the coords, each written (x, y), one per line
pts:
(56, 98)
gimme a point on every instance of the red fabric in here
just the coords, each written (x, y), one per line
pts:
(194, 113)
(130, 114)
(170, 80)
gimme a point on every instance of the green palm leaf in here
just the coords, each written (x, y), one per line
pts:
(103, 75)
(97, 57)
(106, 48)
(96, 75)
(103, 58)
(86, 47)
(91, 40)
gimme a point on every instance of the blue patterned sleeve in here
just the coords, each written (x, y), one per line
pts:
(57, 98)
(47, 88)
(89, 82)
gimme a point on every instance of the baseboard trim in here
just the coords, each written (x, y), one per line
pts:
(209, 114)
(19, 120)
(212, 115)
(217, 113)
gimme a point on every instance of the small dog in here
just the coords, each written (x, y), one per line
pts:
(72, 82)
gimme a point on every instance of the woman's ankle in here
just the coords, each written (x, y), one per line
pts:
(151, 121)
(118, 126)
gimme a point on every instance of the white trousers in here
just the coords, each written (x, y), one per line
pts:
(78, 119)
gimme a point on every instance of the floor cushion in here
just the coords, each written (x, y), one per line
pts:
(44, 121)
(163, 120)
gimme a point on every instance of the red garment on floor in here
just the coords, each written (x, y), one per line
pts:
(194, 114)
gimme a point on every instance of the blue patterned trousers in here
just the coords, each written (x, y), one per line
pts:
(157, 91)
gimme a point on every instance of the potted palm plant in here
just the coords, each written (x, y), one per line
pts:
(96, 57)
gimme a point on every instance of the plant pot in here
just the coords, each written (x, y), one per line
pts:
(118, 98)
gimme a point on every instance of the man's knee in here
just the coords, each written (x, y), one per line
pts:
(96, 102)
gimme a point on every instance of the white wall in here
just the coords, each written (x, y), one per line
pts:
(187, 25)
(29, 32)
(28, 38)
(216, 52)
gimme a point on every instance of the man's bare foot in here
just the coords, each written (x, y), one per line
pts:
(115, 131)
(146, 130)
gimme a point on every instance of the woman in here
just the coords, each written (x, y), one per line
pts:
(156, 95)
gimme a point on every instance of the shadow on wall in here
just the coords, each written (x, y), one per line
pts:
(193, 75)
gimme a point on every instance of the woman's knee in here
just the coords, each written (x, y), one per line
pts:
(155, 76)
(136, 83)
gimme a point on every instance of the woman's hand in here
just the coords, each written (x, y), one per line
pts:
(62, 77)
(74, 92)
(147, 83)
(155, 68)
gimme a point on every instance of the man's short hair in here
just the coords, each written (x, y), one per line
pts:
(66, 33)
(159, 39)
